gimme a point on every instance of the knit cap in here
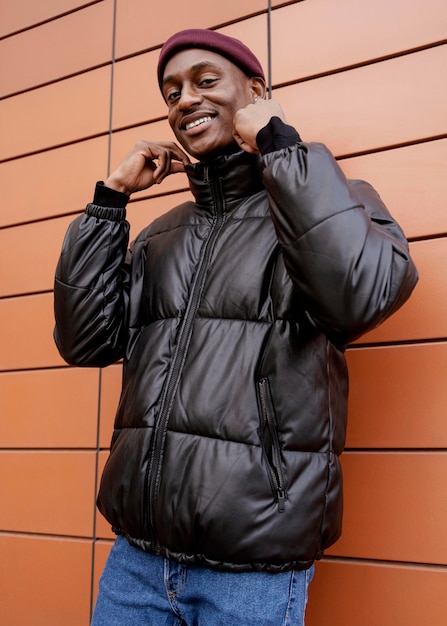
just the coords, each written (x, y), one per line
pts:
(229, 47)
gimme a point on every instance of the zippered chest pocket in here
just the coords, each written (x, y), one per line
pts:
(271, 445)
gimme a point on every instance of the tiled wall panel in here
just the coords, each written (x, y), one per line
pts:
(45, 581)
(66, 111)
(395, 507)
(378, 105)
(135, 76)
(22, 14)
(51, 492)
(367, 80)
(40, 245)
(372, 594)
(412, 183)
(317, 36)
(424, 316)
(72, 172)
(41, 409)
(26, 333)
(62, 47)
(398, 397)
(140, 27)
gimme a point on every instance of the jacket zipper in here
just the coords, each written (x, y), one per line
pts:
(274, 464)
(153, 471)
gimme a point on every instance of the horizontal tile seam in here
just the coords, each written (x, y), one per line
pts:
(38, 535)
(53, 18)
(302, 79)
(93, 2)
(384, 563)
(399, 342)
(373, 150)
(396, 451)
(336, 559)
(365, 63)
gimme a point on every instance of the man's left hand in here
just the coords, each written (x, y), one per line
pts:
(251, 119)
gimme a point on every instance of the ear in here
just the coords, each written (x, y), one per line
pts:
(257, 87)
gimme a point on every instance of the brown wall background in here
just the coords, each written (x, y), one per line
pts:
(77, 89)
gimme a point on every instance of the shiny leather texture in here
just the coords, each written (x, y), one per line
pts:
(232, 314)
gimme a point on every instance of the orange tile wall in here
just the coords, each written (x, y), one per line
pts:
(77, 89)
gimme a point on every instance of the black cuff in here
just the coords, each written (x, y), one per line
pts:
(112, 214)
(275, 136)
(107, 197)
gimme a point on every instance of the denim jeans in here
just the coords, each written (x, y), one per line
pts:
(139, 589)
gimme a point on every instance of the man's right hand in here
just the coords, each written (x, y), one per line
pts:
(146, 164)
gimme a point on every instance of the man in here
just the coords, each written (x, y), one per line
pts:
(231, 313)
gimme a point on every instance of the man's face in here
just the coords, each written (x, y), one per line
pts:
(203, 91)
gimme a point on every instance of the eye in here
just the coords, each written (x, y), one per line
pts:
(172, 95)
(207, 82)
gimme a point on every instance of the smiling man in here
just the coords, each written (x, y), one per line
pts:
(231, 314)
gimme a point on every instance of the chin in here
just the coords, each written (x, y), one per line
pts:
(212, 152)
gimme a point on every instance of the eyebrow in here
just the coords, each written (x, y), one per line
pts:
(194, 68)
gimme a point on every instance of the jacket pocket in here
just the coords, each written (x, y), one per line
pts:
(271, 445)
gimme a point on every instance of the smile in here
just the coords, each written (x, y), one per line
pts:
(202, 120)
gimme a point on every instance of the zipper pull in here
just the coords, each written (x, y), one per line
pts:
(281, 500)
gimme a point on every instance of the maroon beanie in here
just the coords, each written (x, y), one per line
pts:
(233, 49)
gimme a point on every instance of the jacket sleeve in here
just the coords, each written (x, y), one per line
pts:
(344, 252)
(90, 289)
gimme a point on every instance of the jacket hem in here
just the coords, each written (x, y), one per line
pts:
(201, 560)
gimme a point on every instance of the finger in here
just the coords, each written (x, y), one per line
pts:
(247, 147)
(163, 167)
(177, 167)
(154, 150)
(172, 166)
(178, 154)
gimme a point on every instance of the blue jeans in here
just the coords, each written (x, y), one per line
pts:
(139, 589)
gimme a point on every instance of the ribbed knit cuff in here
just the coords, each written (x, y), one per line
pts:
(276, 135)
(108, 204)
(106, 213)
(107, 197)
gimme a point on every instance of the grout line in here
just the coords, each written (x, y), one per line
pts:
(269, 49)
(393, 146)
(156, 120)
(396, 343)
(54, 18)
(302, 79)
(100, 377)
(395, 451)
(365, 63)
(95, 491)
(383, 562)
(43, 535)
(326, 558)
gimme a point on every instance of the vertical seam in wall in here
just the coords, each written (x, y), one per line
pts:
(98, 424)
(269, 48)
(100, 379)
(112, 79)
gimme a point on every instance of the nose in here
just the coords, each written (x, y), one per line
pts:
(188, 97)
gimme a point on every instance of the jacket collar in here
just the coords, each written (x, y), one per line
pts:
(238, 175)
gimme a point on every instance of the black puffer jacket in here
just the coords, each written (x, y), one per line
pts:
(231, 314)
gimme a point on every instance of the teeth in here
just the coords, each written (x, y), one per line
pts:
(197, 122)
